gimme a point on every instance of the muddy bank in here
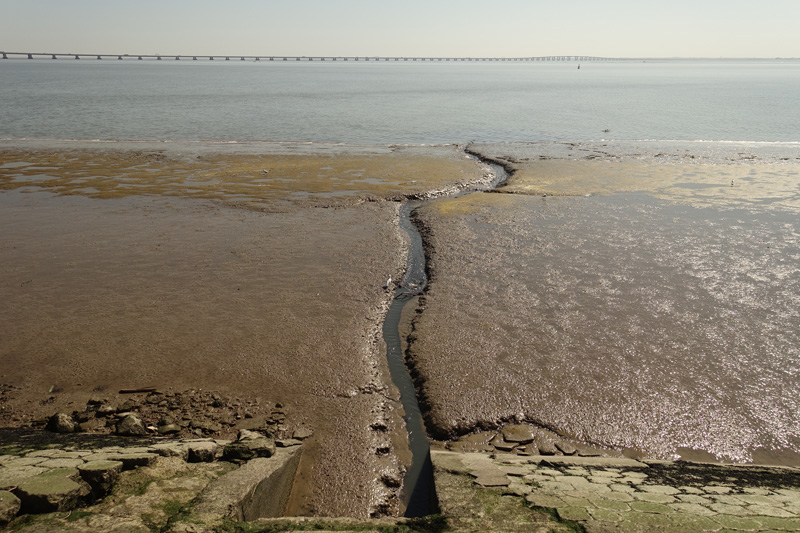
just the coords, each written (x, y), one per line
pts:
(652, 316)
(117, 273)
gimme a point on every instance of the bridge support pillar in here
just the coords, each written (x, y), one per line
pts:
(119, 58)
(98, 57)
(30, 56)
(54, 57)
(5, 56)
(140, 58)
(77, 57)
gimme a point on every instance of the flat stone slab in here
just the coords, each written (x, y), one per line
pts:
(10, 477)
(55, 490)
(618, 494)
(100, 475)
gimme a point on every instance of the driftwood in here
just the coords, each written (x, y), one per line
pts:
(132, 391)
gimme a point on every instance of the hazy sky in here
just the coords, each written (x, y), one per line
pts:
(612, 28)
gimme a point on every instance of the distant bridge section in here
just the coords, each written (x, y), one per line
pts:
(158, 57)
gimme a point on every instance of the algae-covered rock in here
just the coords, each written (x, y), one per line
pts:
(60, 489)
(101, 475)
(9, 507)
(201, 452)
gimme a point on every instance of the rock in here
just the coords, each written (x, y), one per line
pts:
(63, 462)
(547, 448)
(567, 448)
(207, 426)
(201, 452)
(500, 444)
(286, 443)
(302, 433)
(100, 475)
(10, 477)
(520, 433)
(93, 424)
(131, 425)
(105, 410)
(246, 434)
(244, 450)
(171, 449)
(530, 449)
(132, 460)
(61, 423)
(56, 490)
(154, 398)
(169, 429)
(129, 405)
(9, 507)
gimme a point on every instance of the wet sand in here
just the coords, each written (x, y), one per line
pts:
(634, 301)
(115, 275)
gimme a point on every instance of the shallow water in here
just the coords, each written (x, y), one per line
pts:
(378, 103)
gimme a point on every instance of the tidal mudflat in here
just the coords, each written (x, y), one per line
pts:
(635, 298)
(256, 276)
(640, 298)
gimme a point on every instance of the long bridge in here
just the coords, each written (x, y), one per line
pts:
(160, 57)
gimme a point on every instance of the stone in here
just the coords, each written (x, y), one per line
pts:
(302, 433)
(169, 429)
(56, 490)
(246, 434)
(171, 449)
(93, 424)
(567, 448)
(9, 507)
(286, 443)
(105, 410)
(13, 476)
(502, 445)
(61, 423)
(100, 475)
(206, 426)
(61, 463)
(131, 424)
(547, 448)
(201, 452)
(244, 450)
(519, 433)
(129, 460)
(129, 405)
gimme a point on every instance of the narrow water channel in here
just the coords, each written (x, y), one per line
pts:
(418, 489)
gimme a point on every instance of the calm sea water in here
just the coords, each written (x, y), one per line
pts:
(369, 102)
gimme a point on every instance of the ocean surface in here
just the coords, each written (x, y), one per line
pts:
(369, 102)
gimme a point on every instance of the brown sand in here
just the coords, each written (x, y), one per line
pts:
(114, 275)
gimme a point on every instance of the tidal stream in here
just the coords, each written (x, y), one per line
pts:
(418, 489)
